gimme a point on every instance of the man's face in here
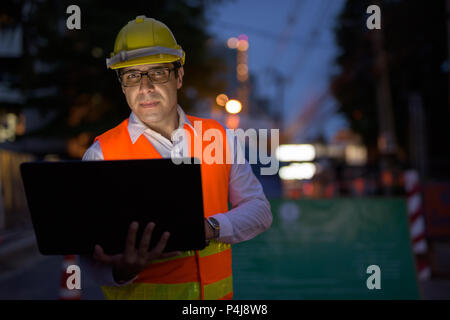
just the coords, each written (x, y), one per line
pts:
(152, 103)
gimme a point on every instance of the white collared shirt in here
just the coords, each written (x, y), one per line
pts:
(250, 214)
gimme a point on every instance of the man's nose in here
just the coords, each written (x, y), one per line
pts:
(146, 84)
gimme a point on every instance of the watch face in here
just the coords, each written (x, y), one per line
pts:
(216, 227)
(214, 222)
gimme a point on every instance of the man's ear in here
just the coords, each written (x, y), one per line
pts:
(180, 77)
(123, 90)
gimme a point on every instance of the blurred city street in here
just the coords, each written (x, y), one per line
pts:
(26, 274)
(341, 109)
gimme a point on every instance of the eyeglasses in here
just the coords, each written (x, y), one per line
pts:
(156, 76)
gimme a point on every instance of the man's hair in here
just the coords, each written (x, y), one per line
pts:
(176, 66)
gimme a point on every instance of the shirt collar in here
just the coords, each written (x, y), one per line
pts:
(136, 127)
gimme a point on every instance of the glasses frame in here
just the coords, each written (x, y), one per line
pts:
(146, 73)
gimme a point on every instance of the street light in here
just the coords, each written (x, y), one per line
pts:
(297, 171)
(221, 99)
(232, 43)
(233, 106)
(242, 45)
(295, 152)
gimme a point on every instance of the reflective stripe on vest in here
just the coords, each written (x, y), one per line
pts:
(156, 287)
(179, 291)
(204, 274)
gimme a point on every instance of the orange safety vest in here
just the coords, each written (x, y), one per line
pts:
(204, 274)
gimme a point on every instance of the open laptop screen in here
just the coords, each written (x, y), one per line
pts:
(77, 204)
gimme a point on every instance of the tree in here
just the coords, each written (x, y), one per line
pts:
(415, 41)
(64, 71)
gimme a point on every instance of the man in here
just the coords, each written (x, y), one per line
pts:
(149, 64)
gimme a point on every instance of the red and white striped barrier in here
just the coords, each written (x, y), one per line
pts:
(417, 223)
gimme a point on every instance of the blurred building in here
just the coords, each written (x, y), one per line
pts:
(17, 118)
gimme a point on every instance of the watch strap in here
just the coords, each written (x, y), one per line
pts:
(215, 226)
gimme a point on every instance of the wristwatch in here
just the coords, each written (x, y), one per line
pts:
(215, 226)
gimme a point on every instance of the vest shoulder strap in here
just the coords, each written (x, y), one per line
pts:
(114, 133)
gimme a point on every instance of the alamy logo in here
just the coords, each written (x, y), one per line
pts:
(374, 21)
(74, 20)
(374, 281)
(219, 149)
(74, 280)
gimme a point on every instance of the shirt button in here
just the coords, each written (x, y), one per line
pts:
(178, 138)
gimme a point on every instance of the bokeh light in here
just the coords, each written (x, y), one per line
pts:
(233, 106)
(242, 45)
(221, 99)
(232, 43)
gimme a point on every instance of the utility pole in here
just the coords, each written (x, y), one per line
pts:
(243, 74)
(279, 105)
(387, 142)
(448, 45)
(417, 134)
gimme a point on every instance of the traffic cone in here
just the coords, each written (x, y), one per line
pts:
(66, 293)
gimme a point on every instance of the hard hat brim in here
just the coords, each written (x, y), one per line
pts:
(144, 41)
(160, 58)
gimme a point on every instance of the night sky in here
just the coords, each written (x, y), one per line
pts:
(294, 38)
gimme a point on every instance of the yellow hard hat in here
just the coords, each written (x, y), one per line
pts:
(144, 41)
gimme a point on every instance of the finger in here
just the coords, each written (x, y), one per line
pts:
(99, 255)
(159, 248)
(145, 240)
(131, 239)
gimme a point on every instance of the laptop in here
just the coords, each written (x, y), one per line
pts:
(77, 204)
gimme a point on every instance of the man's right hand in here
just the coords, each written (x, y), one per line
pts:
(128, 264)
